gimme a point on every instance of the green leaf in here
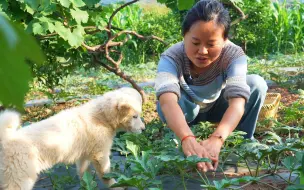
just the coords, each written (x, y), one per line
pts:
(51, 27)
(273, 136)
(302, 165)
(47, 23)
(184, 4)
(133, 148)
(76, 38)
(32, 3)
(89, 181)
(3, 5)
(289, 162)
(29, 9)
(37, 28)
(161, 1)
(65, 3)
(301, 177)
(225, 183)
(15, 47)
(111, 175)
(295, 187)
(62, 31)
(299, 156)
(80, 16)
(78, 3)
(135, 181)
(47, 7)
(91, 3)
(181, 160)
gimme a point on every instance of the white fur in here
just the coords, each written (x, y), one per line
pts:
(81, 134)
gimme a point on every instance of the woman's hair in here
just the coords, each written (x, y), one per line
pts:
(207, 10)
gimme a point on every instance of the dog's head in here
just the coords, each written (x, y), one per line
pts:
(121, 109)
(129, 110)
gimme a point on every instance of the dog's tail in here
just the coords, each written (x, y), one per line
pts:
(9, 122)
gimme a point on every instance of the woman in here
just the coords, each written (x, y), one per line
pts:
(203, 78)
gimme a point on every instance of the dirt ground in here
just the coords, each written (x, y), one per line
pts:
(149, 109)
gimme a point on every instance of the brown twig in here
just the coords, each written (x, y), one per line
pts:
(91, 49)
(42, 37)
(239, 10)
(138, 35)
(96, 30)
(110, 41)
(114, 13)
(121, 74)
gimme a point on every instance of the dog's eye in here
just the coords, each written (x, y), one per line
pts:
(135, 116)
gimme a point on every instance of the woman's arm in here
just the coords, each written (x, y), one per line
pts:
(237, 92)
(228, 123)
(177, 123)
(231, 117)
(174, 116)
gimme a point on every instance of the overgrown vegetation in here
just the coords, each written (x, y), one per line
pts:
(272, 36)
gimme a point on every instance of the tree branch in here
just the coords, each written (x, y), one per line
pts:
(239, 10)
(138, 35)
(110, 41)
(114, 13)
(42, 37)
(123, 76)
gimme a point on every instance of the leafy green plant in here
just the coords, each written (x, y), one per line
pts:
(16, 47)
(88, 182)
(60, 181)
(143, 172)
(294, 112)
(225, 183)
(176, 159)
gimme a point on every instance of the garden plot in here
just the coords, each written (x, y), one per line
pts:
(153, 160)
(63, 177)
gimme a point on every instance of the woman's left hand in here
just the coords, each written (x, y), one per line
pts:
(213, 147)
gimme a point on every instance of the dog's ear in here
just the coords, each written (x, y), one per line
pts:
(124, 109)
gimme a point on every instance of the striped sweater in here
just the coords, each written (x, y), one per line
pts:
(227, 72)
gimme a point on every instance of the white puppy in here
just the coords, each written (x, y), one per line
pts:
(81, 134)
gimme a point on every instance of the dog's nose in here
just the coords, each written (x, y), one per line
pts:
(143, 126)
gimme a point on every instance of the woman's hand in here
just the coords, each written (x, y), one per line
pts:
(213, 147)
(191, 147)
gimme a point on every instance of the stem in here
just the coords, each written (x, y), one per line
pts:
(224, 172)
(226, 159)
(184, 184)
(50, 176)
(283, 178)
(277, 163)
(269, 163)
(244, 185)
(257, 169)
(268, 185)
(183, 177)
(201, 177)
(206, 178)
(289, 178)
(248, 167)
(264, 176)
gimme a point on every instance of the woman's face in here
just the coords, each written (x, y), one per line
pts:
(203, 43)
